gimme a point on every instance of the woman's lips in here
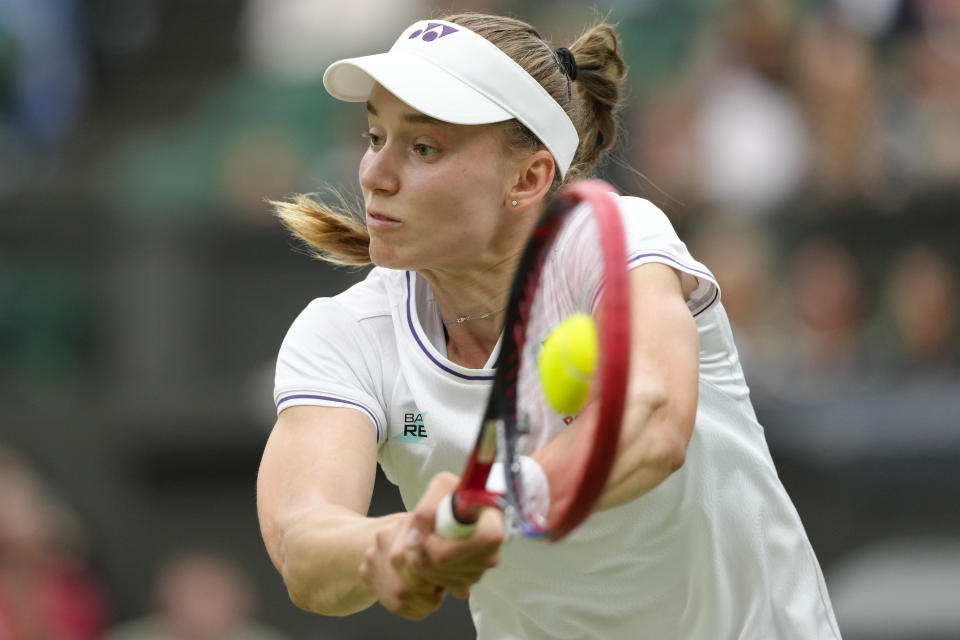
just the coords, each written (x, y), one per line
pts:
(380, 220)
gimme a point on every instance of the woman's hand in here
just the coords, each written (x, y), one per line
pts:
(410, 567)
(393, 579)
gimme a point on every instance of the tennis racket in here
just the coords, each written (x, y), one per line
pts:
(575, 261)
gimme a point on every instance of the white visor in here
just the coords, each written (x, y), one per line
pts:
(452, 74)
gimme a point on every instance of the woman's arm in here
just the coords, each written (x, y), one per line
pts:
(313, 491)
(315, 483)
(663, 387)
(661, 392)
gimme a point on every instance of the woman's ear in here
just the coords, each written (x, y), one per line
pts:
(533, 180)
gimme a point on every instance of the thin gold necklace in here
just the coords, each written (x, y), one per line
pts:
(463, 319)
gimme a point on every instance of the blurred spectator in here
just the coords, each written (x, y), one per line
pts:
(921, 138)
(42, 82)
(728, 133)
(297, 39)
(824, 340)
(46, 590)
(756, 35)
(922, 295)
(199, 596)
(836, 86)
(934, 63)
(751, 141)
(872, 19)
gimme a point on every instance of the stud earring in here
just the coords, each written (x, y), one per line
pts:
(514, 203)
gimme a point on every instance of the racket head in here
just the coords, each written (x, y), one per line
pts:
(574, 261)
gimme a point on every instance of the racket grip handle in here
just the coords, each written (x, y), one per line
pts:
(446, 523)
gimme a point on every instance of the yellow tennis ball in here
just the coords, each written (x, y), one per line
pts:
(567, 362)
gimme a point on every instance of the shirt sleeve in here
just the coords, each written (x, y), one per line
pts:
(322, 362)
(652, 238)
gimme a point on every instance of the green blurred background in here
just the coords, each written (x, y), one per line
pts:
(808, 151)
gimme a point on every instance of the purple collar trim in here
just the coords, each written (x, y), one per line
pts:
(423, 347)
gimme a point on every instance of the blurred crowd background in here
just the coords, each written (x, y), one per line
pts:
(809, 152)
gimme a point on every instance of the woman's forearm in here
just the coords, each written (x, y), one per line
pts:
(652, 446)
(320, 555)
(653, 442)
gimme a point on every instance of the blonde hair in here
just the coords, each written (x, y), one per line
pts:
(335, 233)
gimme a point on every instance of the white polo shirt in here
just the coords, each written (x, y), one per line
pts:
(715, 551)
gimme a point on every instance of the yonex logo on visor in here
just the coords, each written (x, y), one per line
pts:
(430, 34)
(462, 80)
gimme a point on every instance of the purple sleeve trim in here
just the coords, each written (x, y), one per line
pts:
(309, 396)
(685, 267)
(669, 258)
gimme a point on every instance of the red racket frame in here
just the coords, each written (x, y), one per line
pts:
(573, 495)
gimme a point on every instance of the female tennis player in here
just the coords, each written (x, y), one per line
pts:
(475, 122)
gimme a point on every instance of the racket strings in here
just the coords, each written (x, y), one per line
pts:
(566, 279)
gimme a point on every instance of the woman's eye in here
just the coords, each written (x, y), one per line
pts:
(424, 150)
(372, 139)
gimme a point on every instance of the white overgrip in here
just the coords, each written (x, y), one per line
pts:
(446, 524)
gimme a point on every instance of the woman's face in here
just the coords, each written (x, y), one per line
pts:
(435, 192)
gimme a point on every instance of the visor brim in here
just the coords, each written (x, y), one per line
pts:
(417, 82)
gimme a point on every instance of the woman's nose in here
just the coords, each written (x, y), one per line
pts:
(378, 171)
